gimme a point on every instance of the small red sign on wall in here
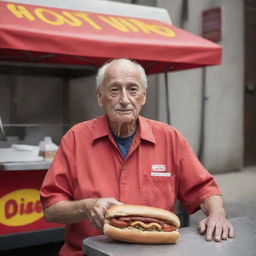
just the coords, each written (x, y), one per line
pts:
(211, 24)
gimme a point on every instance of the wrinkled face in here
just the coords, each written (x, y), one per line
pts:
(121, 93)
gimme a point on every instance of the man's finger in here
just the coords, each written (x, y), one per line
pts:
(102, 205)
(209, 231)
(112, 201)
(218, 232)
(231, 233)
(225, 232)
(202, 227)
(99, 211)
(99, 223)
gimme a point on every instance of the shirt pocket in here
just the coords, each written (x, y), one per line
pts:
(159, 191)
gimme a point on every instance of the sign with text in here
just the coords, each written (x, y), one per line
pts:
(211, 24)
(20, 207)
(33, 33)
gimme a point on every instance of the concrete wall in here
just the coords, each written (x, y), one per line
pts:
(223, 150)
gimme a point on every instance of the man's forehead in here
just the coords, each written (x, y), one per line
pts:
(118, 71)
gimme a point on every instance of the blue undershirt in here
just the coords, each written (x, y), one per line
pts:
(123, 144)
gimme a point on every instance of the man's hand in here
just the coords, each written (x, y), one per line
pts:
(68, 212)
(216, 227)
(96, 208)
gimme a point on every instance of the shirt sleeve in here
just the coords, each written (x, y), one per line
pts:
(195, 182)
(57, 185)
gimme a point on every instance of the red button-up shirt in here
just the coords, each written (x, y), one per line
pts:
(159, 168)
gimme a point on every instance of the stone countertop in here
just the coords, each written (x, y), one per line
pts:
(190, 243)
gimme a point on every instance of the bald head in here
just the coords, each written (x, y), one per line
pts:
(121, 63)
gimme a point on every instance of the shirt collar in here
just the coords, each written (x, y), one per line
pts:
(102, 129)
(145, 129)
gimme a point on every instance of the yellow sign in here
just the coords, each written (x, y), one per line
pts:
(20, 207)
(89, 20)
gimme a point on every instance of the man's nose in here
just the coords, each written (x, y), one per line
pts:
(124, 97)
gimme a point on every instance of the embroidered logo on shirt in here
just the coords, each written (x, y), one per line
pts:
(158, 167)
(161, 174)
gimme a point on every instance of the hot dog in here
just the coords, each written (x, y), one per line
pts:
(141, 224)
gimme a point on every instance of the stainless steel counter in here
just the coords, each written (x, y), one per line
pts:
(20, 166)
(190, 243)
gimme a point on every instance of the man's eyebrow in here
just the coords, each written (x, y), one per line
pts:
(119, 84)
(134, 84)
(114, 84)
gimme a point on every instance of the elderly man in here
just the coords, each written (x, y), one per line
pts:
(122, 157)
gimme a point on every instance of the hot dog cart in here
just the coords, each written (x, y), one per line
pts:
(73, 40)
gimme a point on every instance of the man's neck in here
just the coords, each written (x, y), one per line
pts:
(123, 130)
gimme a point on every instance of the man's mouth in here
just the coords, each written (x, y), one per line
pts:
(124, 110)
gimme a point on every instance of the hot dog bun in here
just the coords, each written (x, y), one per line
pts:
(133, 235)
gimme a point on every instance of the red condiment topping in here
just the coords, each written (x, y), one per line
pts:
(119, 223)
(168, 228)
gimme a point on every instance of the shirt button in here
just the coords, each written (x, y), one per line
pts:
(123, 168)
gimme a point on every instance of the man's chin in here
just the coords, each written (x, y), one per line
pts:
(124, 118)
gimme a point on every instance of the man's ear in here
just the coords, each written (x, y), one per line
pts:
(145, 97)
(99, 96)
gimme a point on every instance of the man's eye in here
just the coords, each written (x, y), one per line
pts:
(133, 89)
(114, 91)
